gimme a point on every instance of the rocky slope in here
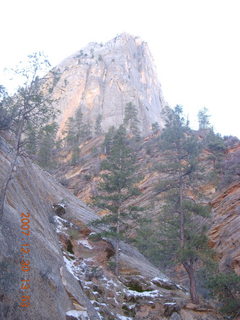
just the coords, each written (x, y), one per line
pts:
(70, 275)
(224, 234)
(102, 79)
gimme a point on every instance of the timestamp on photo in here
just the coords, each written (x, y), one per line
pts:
(25, 262)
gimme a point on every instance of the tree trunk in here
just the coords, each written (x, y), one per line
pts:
(117, 245)
(192, 281)
(182, 218)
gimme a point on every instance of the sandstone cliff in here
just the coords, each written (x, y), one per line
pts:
(224, 234)
(102, 78)
(70, 274)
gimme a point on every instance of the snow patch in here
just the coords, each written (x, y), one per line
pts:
(152, 294)
(163, 279)
(123, 317)
(70, 266)
(85, 243)
(77, 314)
(59, 225)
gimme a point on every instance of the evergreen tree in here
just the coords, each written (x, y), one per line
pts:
(31, 140)
(118, 185)
(5, 114)
(226, 287)
(155, 128)
(77, 132)
(182, 237)
(203, 119)
(131, 121)
(215, 144)
(82, 129)
(47, 145)
(108, 141)
(71, 138)
(98, 126)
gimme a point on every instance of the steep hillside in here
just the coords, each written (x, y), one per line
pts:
(224, 234)
(102, 79)
(70, 275)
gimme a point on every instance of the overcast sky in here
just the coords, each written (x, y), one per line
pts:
(195, 44)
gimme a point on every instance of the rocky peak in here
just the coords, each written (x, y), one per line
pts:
(102, 79)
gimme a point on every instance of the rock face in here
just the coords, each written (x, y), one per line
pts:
(103, 79)
(70, 274)
(224, 234)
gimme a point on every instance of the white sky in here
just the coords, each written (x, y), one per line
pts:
(195, 44)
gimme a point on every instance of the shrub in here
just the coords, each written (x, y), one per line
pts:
(226, 287)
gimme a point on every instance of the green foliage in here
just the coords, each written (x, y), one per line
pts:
(95, 237)
(147, 241)
(29, 111)
(70, 130)
(118, 184)
(6, 111)
(70, 247)
(40, 144)
(226, 287)
(31, 140)
(119, 168)
(112, 265)
(215, 143)
(75, 155)
(203, 119)
(155, 128)
(33, 108)
(108, 141)
(47, 145)
(77, 130)
(56, 75)
(98, 125)
(195, 240)
(180, 230)
(131, 121)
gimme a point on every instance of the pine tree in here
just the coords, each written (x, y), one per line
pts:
(82, 129)
(131, 121)
(70, 138)
(215, 144)
(31, 140)
(182, 231)
(108, 141)
(47, 145)
(118, 184)
(77, 131)
(98, 125)
(6, 110)
(203, 119)
(226, 287)
(155, 128)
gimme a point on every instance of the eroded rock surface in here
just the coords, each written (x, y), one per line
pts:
(224, 234)
(102, 79)
(70, 274)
